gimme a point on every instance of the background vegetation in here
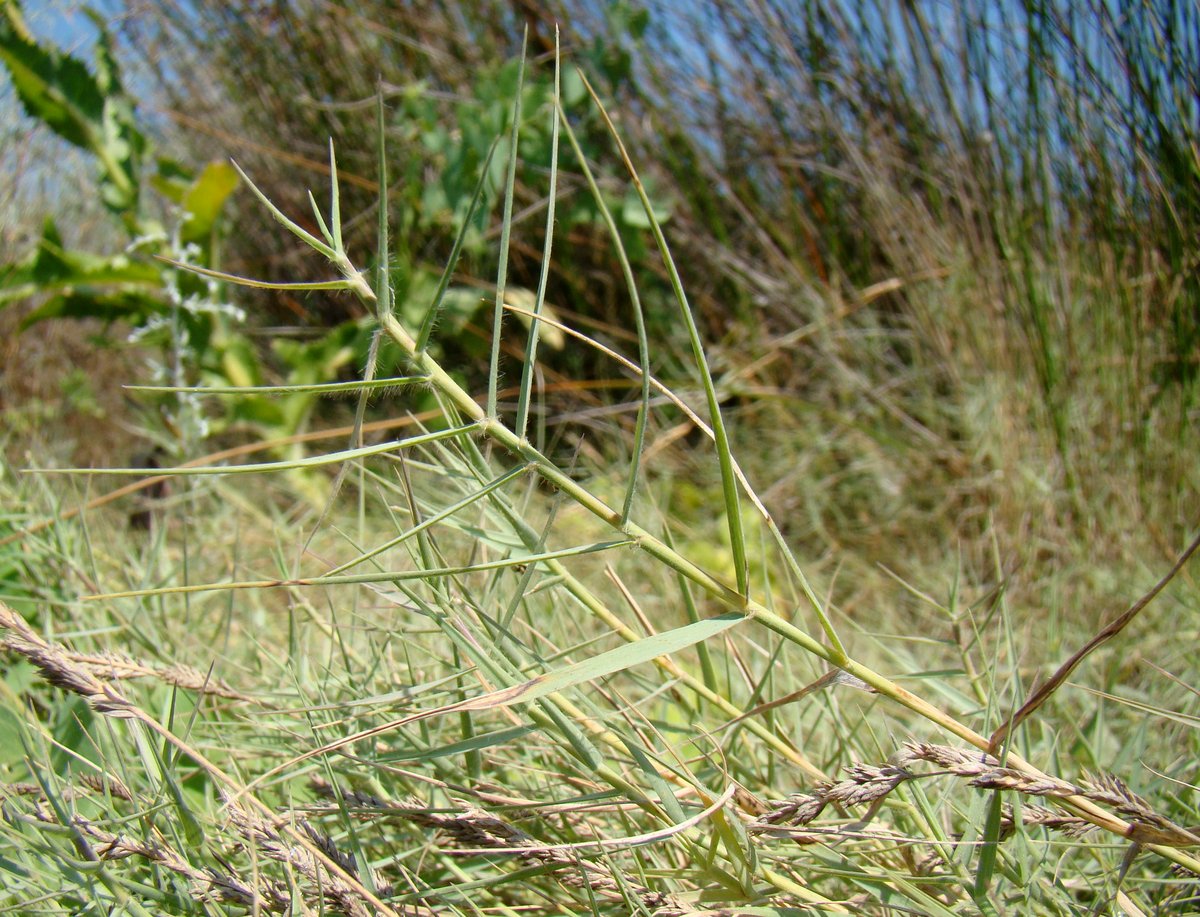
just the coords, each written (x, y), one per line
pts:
(944, 260)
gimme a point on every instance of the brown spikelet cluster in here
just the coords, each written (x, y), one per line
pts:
(58, 666)
(80, 672)
(1148, 826)
(334, 892)
(1186, 898)
(331, 880)
(871, 784)
(1051, 819)
(98, 844)
(864, 783)
(471, 827)
(92, 784)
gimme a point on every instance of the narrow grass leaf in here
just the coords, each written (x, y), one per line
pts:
(387, 576)
(527, 370)
(707, 670)
(318, 388)
(505, 232)
(343, 284)
(601, 666)
(729, 487)
(666, 797)
(304, 235)
(320, 219)
(335, 201)
(383, 284)
(639, 318)
(431, 315)
(424, 524)
(989, 849)
(1110, 630)
(315, 461)
(584, 748)
(476, 743)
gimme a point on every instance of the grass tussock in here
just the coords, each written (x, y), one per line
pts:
(790, 583)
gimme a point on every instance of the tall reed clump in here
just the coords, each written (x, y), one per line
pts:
(1013, 187)
(496, 681)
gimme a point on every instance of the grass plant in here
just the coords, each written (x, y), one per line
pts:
(501, 680)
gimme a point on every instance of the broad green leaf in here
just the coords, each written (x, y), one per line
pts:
(310, 362)
(633, 213)
(205, 198)
(54, 88)
(123, 143)
(173, 179)
(90, 286)
(91, 112)
(107, 306)
(239, 362)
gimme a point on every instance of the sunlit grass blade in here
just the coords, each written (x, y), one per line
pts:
(639, 319)
(527, 369)
(729, 487)
(431, 315)
(317, 388)
(385, 576)
(505, 233)
(315, 461)
(292, 286)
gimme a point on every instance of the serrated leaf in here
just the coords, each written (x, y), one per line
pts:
(90, 112)
(54, 88)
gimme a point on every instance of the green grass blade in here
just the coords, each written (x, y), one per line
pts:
(295, 229)
(505, 233)
(344, 284)
(317, 388)
(989, 849)
(335, 201)
(320, 219)
(383, 283)
(431, 315)
(531, 343)
(707, 670)
(587, 670)
(639, 318)
(433, 520)
(387, 576)
(315, 461)
(729, 485)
